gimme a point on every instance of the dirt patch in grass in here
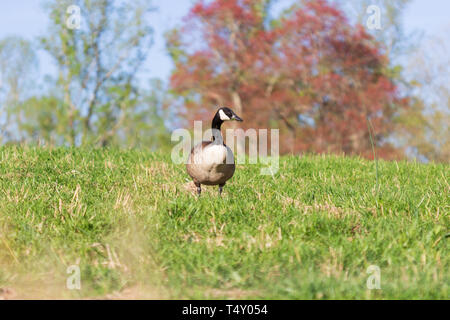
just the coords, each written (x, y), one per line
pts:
(331, 209)
(7, 294)
(234, 293)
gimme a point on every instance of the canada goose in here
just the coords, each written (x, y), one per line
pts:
(212, 162)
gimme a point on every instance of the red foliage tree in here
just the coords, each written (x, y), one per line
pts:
(309, 73)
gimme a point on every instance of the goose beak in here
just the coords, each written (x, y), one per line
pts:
(235, 117)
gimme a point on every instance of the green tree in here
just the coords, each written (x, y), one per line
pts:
(18, 64)
(40, 120)
(426, 127)
(97, 65)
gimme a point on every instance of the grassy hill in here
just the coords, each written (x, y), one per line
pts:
(131, 222)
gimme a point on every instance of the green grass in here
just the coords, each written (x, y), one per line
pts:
(311, 231)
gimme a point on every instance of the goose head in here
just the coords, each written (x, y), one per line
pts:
(222, 115)
(226, 114)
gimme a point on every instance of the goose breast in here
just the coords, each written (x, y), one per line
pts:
(211, 163)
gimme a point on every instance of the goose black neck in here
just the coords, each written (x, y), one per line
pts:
(215, 126)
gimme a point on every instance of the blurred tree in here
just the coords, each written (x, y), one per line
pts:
(392, 37)
(146, 125)
(39, 120)
(425, 128)
(420, 67)
(98, 51)
(18, 64)
(308, 72)
(141, 125)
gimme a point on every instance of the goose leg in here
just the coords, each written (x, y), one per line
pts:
(221, 189)
(199, 188)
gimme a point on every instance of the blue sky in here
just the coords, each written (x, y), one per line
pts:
(26, 18)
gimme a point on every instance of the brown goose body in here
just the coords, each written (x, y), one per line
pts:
(212, 162)
(209, 165)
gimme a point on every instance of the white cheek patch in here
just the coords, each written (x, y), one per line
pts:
(223, 116)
